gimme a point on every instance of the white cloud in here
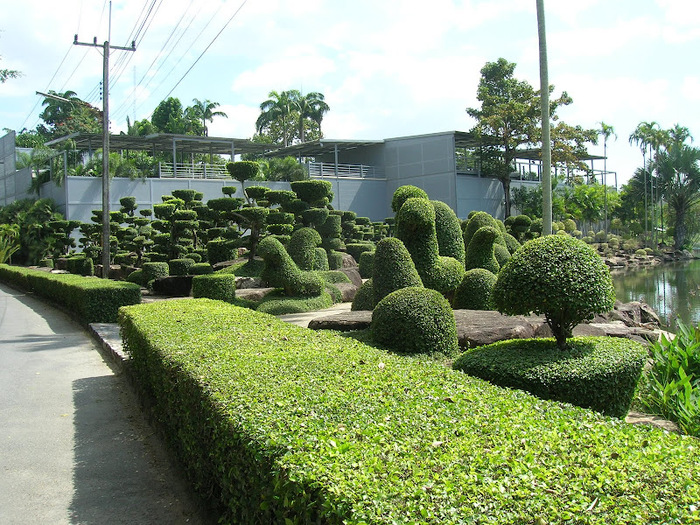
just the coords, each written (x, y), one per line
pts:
(691, 88)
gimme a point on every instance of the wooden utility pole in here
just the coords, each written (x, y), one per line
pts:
(106, 47)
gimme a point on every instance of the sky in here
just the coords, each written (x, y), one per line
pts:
(387, 68)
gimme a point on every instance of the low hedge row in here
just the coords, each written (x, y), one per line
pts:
(93, 300)
(600, 373)
(280, 424)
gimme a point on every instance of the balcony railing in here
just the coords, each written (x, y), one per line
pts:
(168, 170)
(359, 171)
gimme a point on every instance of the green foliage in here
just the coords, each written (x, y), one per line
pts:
(511, 243)
(320, 260)
(243, 170)
(600, 373)
(335, 260)
(218, 286)
(415, 320)
(480, 253)
(180, 266)
(403, 193)
(474, 292)
(449, 232)
(302, 247)
(136, 277)
(276, 303)
(477, 220)
(364, 297)
(80, 265)
(557, 276)
(89, 299)
(501, 253)
(673, 381)
(219, 250)
(393, 269)
(280, 271)
(356, 249)
(9, 241)
(366, 265)
(154, 270)
(314, 192)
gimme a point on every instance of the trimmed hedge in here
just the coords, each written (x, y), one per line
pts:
(201, 268)
(153, 270)
(415, 321)
(219, 286)
(280, 271)
(364, 297)
(276, 303)
(280, 424)
(180, 266)
(302, 247)
(91, 299)
(600, 373)
(366, 264)
(480, 253)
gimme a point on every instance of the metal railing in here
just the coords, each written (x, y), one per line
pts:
(168, 170)
(328, 169)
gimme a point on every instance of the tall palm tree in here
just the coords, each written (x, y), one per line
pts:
(311, 106)
(641, 136)
(59, 106)
(280, 109)
(606, 131)
(205, 111)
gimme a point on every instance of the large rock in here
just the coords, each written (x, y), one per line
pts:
(483, 327)
(353, 274)
(344, 322)
(348, 290)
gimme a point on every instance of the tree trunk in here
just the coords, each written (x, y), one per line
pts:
(505, 182)
(680, 229)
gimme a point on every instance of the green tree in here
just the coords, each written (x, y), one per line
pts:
(311, 106)
(278, 115)
(66, 113)
(606, 131)
(205, 110)
(168, 116)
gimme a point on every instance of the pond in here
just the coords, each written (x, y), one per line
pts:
(672, 290)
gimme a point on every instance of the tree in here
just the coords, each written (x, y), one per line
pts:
(66, 113)
(606, 131)
(168, 116)
(205, 110)
(311, 106)
(508, 119)
(278, 114)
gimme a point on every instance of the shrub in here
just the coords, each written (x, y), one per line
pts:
(641, 253)
(357, 249)
(202, 268)
(136, 277)
(302, 247)
(415, 321)
(335, 260)
(393, 268)
(501, 254)
(480, 253)
(403, 193)
(474, 292)
(281, 272)
(449, 232)
(366, 264)
(560, 277)
(273, 421)
(80, 265)
(478, 220)
(511, 243)
(180, 266)
(600, 373)
(313, 192)
(320, 260)
(218, 286)
(219, 250)
(276, 303)
(364, 297)
(569, 225)
(153, 270)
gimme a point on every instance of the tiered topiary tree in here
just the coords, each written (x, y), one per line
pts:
(559, 277)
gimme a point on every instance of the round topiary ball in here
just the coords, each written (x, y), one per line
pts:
(415, 320)
(559, 277)
(474, 292)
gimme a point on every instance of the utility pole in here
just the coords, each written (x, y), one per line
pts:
(546, 140)
(106, 47)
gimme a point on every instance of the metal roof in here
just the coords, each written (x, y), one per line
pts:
(320, 147)
(165, 142)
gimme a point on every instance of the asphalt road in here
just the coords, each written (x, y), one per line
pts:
(74, 445)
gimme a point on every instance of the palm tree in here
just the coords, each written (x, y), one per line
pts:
(678, 169)
(280, 109)
(606, 131)
(59, 106)
(642, 137)
(205, 111)
(311, 106)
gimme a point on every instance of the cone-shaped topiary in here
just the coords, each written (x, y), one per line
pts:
(480, 253)
(403, 193)
(364, 297)
(415, 320)
(281, 272)
(474, 292)
(302, 246)
(559, 277)
(449, 232)
(393, 268)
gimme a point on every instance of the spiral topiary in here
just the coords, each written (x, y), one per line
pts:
(474, 292)
(393, 268)
(559, 277)
(415, 320)
(480, 253)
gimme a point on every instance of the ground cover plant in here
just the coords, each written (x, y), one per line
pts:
(280, 424)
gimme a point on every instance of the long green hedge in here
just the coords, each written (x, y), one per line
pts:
(91, 299)
(281, 424)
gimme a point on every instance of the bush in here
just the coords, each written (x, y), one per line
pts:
(449, 232)
(281, 272)
(335, 260)
(477, 220)
(302, 246)
(403, 193)
(364, 297)
(415, 321)
(474, 292)
(600, 373)
(276, 303)
(357, 249)
(153, 270)
(80, 265)
(559, 277)
(320, 260)
(393, 268)
(201, 269)
(89, 299)
(218, 286)
(136, 277)
(501, 254)
(313, 192)
(180, 266)
(219, 250)
(511, 243)
(480, 253)
(366, 264)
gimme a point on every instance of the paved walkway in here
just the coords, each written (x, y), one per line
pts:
(74, 445)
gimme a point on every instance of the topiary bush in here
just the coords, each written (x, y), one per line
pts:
(320, 263)
(449, 232)
(302, 247)
(366, 264)
(219, 286)
(364, 297)
(474, 292)
(201, 268)
(477, 220)
(415, 321)
(511, 243)
(136, 277)
(481, 251)
(403, 193)
(280, 271)
(600, 373)
(153, 270)
(180, 266)
(559, 277)
(393, 268)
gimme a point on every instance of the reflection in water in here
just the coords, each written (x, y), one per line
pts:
(672, 290)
